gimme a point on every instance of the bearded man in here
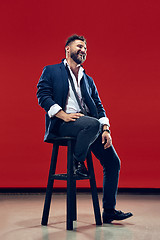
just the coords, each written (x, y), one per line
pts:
(73, 108)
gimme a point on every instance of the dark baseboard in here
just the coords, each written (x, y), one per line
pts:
(141, 191)
(149, 191)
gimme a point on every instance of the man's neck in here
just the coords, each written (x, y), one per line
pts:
(74, 66)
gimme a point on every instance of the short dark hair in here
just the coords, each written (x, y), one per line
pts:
(75, 37)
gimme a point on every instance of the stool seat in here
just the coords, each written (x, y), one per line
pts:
(62, 140)
(71, 179)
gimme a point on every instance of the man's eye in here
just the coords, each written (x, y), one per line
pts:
(81, 46)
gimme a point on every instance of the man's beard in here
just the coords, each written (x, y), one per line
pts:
(77, 58)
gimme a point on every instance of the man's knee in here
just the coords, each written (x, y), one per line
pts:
(111, 160)
(117, 163)
(112, 166)
(93, 124)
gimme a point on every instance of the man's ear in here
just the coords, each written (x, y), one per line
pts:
(67, 48)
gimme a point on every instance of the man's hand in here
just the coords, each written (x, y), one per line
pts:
(68, 117)
(71, 117)
(106, 137)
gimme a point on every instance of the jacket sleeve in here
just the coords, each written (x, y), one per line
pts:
(45, 90)
(97, 101)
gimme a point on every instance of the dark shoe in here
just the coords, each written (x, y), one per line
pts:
(110, 215)
(80, 169)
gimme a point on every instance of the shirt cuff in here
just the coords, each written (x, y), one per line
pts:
(54, 109)
(104, 120)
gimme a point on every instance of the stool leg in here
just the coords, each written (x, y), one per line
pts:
(70, 186)
(74, 194)
(74, 201)
(94, 190)
(50, 185)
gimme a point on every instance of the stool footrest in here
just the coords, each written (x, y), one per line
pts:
(63, 176)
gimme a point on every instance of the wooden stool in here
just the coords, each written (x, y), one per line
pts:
(71, 178)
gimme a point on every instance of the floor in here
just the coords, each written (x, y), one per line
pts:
(20, 216)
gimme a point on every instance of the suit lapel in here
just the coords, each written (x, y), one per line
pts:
(87, 96)
(65, 83)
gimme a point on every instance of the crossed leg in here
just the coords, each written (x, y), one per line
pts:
(87, 131)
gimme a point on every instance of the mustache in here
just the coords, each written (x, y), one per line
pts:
(79, 51)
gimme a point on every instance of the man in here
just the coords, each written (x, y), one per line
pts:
(73, 108)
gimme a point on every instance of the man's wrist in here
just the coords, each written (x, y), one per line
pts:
(105, 128)
(61, 114)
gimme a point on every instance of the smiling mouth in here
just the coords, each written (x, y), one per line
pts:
(82, 55)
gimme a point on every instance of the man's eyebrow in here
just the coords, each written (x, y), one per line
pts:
(81, 45)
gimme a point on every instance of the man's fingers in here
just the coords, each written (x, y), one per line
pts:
(73, 117)
(108, 141)
(72, 120)
(103, 139)
(108, 144)
(76, 115)
(80, 114)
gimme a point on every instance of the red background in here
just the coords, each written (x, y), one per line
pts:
(124, 60)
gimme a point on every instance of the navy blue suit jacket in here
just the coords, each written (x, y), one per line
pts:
(53, 88)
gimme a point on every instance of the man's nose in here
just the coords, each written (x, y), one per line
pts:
(83, 50)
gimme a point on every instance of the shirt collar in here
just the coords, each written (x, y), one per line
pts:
(80, 73)
(65, 63)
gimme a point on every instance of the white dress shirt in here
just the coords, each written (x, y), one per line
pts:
(71, 104)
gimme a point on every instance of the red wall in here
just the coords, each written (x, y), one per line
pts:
(124, 60)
